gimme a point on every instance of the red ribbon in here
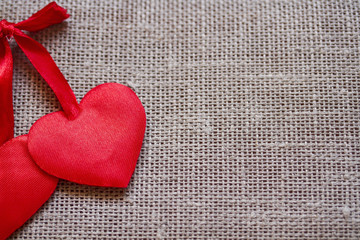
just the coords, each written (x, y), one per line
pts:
(39, 57)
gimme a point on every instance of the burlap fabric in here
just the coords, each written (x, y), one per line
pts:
(253, 117)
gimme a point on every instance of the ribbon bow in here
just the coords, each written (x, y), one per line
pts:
(39, 57)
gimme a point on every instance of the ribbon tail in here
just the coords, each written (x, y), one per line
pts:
(47, 68)
(6, 101)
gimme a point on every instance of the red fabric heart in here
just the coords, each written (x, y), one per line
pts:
(100, 146)
(24, 186)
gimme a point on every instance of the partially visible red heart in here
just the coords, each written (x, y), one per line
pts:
(100, 146)
(24, 187)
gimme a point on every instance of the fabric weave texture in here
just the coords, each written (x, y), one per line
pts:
(252, 117)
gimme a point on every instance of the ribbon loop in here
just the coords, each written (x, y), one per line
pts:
(51, 14)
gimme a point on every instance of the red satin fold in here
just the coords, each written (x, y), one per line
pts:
(6, 105)
(39, 57)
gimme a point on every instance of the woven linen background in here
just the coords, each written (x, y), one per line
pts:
(253, 117)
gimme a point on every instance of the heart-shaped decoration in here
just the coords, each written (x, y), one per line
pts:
(24, 187)
(100, 146)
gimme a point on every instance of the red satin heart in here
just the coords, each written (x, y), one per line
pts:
(100, 146)
(24, 186)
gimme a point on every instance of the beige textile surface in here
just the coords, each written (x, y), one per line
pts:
(253, 117)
